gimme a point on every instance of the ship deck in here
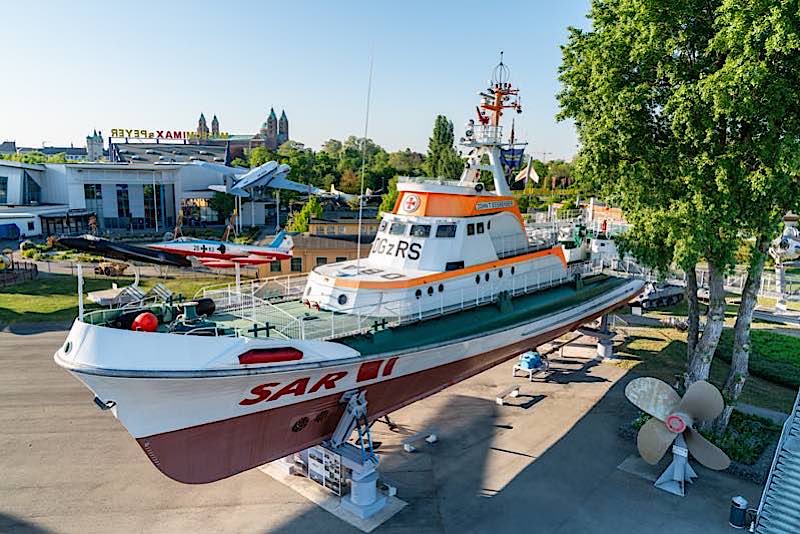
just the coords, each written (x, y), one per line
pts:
(291, 319)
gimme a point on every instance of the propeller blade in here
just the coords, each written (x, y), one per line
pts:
(652, 396)
(702, 401)
(706, 452)
(653, 440)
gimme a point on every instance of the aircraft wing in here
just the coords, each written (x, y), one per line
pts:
(222, 169)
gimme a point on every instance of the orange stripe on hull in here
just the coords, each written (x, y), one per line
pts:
(437, 277)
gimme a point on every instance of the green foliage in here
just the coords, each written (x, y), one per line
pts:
(687, 114)
(773, 356)
(567, 207)
(339, 163)
(389, 198)
(259, 156)
(299, 220)
(746, 437)
(222, 203)
(248, 235)
(239, 162)
(32, 158)
(442, 159)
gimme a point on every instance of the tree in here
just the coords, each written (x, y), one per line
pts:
(299, 221)
(406, 162)
(349, 183)
(654, 141)
(259, 156)
(239, 162)
(223, 204)
(757, 90)
(442, 159)
(389, 197)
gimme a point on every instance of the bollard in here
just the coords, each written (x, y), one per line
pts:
(738, 512)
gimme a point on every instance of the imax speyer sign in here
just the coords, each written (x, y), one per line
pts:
(132, 133)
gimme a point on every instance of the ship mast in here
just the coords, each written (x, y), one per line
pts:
(485, 138)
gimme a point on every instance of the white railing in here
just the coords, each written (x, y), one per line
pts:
(260, 312)
(492, 135)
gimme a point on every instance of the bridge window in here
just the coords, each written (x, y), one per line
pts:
(480, 227)
(420, 230)
(446, 230)
(340, 259)
(471, 229)
(382, 227)
(454, 266)
(397, 229)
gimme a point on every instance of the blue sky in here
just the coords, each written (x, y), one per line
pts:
(74, 66)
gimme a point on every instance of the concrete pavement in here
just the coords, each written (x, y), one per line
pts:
(546, 462)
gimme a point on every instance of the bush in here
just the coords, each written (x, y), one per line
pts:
(746, 437)
(774, 357)
(30, 253)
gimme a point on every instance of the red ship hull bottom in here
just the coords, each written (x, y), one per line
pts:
(213, 451)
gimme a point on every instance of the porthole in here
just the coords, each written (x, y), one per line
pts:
(342, 299)
(418, 293)
(477, 279)
(441, 288)
(513, 270)
(500, 273)
(67, 347)
(430, 290)
(486, 277)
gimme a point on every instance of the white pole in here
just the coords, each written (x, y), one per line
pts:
(238, 276)
(155, 201)
(277, 211)
(80, 292)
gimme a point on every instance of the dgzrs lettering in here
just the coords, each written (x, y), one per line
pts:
(401, 249)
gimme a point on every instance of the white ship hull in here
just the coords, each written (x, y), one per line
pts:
(200, 424)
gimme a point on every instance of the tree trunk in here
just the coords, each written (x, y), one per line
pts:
(693, 317)
(699, 364)
(740, 357)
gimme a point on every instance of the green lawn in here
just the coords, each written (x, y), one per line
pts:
(53, 297)
(661, 352)
(773, 356)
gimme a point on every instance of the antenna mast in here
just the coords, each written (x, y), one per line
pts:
(363, 165)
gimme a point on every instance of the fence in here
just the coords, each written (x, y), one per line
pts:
(19, 271)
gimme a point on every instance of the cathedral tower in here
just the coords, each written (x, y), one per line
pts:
(215, 127)
(283, 129)
(202, 127)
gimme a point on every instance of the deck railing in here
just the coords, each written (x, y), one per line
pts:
(316, 324)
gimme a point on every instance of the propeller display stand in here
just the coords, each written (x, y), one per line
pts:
(679, 472)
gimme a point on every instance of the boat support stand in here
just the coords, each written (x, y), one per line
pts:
(364, 499)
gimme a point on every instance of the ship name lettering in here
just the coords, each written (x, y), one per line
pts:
(264, 392)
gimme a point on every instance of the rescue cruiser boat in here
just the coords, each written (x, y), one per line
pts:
(452, 286)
